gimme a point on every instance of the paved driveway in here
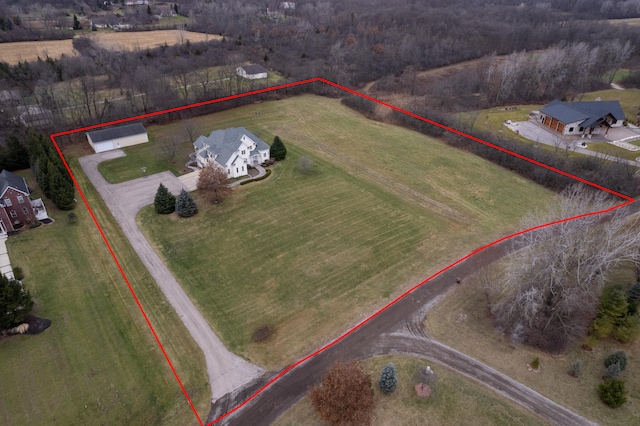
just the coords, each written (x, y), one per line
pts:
(226, 371)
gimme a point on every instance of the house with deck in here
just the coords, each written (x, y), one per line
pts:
(16, 209)
(232, 150)
(582, 118)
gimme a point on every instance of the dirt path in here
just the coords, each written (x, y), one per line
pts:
(397, 329)
(226, 371)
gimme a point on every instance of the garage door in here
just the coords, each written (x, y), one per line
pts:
(103, 146)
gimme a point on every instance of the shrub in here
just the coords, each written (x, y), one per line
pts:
(388, 379)
(72, 217)
(576, 369)
(612, 392)
(185, 206)
(612, 371)
(619, 357)
(17, 273)
(535, 364)
(266, 175)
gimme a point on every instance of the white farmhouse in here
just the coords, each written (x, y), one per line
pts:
(251, 72)
(117, 137)
(232, 150)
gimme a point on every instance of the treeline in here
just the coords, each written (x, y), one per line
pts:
(616, 176)
(50, 172)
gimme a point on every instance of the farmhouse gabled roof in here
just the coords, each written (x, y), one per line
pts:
(587, 113)
(117, 132)
(222, 144)
(10, 180)
(253, 69)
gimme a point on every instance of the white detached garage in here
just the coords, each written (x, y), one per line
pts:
(117, 137)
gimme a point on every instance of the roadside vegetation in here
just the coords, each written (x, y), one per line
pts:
(98, 362)
(457, 400)
(462, 320)
(310, 253)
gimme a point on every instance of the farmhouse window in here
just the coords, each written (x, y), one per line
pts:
(581, 129)
(236, 170)
(25, 211)
(243, 152)
(13, 213)
(20, 199)
(570, 129)
(7, 202)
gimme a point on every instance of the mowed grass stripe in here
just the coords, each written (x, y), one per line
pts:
(313, 254)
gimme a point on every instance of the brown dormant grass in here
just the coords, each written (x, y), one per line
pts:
(12, 53)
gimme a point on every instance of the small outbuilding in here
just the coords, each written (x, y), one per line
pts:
(117, 137)
(252, 72)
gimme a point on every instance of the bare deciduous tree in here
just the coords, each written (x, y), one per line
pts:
(549, 291)
(214, 183)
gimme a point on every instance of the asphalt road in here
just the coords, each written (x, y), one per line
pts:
(226, 371)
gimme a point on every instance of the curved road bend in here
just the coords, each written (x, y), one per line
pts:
(226, 371)
(399, 329)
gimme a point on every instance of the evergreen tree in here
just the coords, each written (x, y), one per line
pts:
(619, 357)
(634, 293)
(278, 151)
(164, 201)
(15, 155)
(62, 192)
(185, 206)
(388, 379)
(76, 23)
(612, 392)
(576, 369)
(15, 302)
(612, 371)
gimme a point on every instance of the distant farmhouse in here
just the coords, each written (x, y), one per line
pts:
(252, 72)
(232, 150)
(582, 118)
(16, 209)
(117, 137)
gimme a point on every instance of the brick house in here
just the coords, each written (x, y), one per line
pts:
(16, 209)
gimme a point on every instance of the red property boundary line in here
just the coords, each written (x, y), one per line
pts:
(53, 137)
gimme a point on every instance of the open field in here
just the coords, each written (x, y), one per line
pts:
(12, 53)
(456, 400)
(98, 363)
(460, 320)
(311, 254)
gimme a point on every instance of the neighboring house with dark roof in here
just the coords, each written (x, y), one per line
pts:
(117, 137)
(252, 72)
(232, 150)
(582, 118)
(16, 209)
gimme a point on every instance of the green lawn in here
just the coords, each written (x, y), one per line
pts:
(98, 363)
(148, 155)
(612, 150)
(312, 254)
(456, 400)
(461, 321)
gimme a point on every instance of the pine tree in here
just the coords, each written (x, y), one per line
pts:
(185, 206)
(164, 201)
(619, 357)
(76, 23)
(612, 392)
(634, 293)
(388, 379)
(612, 371)
(15, 302)
(278, 151)
(62, 192)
